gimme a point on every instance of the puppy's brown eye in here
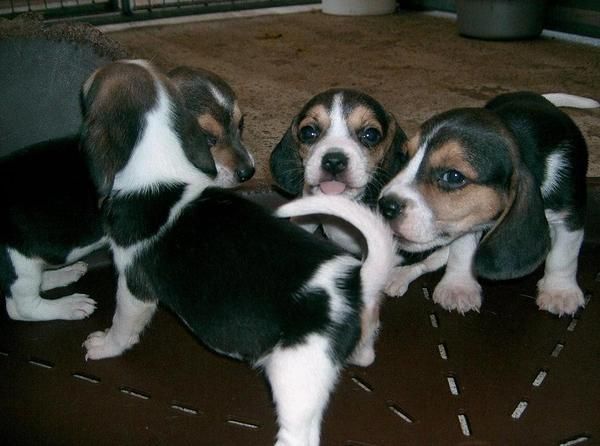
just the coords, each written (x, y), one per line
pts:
(369, 136)
(452, 179)
(308, 134)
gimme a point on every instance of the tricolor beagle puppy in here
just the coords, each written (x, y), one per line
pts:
(497, 190)
(199, 250)
(218, 113)
(342, 142)
(49, 213)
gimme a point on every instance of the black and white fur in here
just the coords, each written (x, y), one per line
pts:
(342, 142)
(248, 284)
(50, 215)
(497, 190)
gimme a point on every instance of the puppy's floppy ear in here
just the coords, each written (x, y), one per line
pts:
(520, 240)
(115, 100)
(286, 165)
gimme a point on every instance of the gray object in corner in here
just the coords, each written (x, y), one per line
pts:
(500, 19)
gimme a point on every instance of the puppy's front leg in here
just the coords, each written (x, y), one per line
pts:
(131, 316)
(459, 290)
(558, 291)
(64, 276)
(403, 276)
(24, 303)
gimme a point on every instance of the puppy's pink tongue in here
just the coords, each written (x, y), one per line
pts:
(332, 187)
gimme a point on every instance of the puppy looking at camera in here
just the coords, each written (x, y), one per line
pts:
(199, 250)
(49, 211)
(498, 190)
(342, 142)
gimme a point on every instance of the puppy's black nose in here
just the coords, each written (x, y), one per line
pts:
(334, 162)
(245, 173)
(390, 207)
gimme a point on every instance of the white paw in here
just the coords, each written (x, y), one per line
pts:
(77, 269)
(460, 296)
(76, 306)
(100, 344)
(399, 280)
(363, 356)
(560, 300)
(63, 276)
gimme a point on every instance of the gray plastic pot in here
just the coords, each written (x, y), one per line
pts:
(500, 19)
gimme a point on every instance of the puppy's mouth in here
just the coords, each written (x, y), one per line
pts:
(332, 187)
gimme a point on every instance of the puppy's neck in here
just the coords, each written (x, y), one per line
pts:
(158, 157)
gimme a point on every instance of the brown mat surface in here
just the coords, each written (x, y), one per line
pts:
(433, 370)
(416, 65)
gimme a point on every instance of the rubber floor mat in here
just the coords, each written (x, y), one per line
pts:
(509, 375)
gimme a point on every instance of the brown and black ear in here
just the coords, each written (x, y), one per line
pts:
(115, 100)
(520, 240)
(286, 165)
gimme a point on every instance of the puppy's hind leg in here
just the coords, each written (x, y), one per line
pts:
(301, 379)
(558, 291)
(24, 302)
(131, 316)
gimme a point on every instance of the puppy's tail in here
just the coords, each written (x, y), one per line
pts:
(381, 246)
(570, 100)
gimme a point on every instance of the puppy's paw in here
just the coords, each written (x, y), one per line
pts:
(74, 307)
(63, 276)
(461, 296)
(563, 299)
(363, 356)
(399, 280)
(101, 344)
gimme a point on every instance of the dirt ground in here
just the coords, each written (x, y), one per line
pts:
(415, 64)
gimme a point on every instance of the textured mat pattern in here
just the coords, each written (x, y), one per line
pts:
(510, 374)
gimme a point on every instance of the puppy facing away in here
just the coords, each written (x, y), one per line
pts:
(218, 113)
(497, 190)
(50, 214)
(198, 250)
(342, 142)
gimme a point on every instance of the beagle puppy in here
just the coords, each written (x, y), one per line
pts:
(494, 191)
(342, 142)
(215, 105)
(49, 214)
(198, 250)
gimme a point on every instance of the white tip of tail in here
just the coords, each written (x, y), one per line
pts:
(570, 100)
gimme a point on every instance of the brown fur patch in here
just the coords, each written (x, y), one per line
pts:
(412, 145)
(317, 116)
(209, 124)
(461, 210)
(362, 117)
(451, 155)
(464, 208)
(224, 156)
